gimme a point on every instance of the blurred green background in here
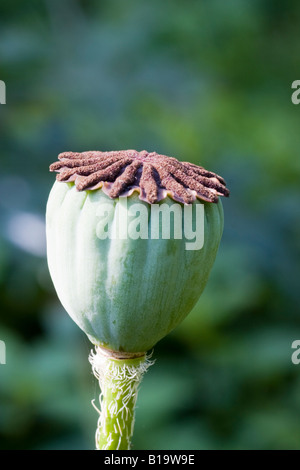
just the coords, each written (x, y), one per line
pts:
(204, 81)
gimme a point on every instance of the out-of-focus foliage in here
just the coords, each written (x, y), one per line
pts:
(205, 81)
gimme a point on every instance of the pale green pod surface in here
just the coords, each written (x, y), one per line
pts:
(126, 293)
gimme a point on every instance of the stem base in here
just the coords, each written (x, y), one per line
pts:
(119, 380)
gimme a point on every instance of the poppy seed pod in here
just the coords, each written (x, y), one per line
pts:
(131, 240)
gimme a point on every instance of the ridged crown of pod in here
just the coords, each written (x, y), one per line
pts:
(131, 239)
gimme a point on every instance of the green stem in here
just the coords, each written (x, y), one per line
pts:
(119, 380)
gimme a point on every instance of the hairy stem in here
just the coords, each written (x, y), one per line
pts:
(119, 379)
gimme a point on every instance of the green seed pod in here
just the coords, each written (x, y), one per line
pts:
(131, 240)
(124, 292)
